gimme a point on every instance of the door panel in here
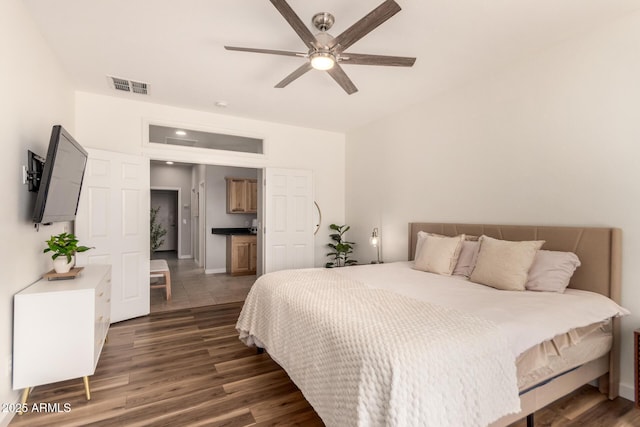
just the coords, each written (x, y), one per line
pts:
(289, 224)
(113, 217)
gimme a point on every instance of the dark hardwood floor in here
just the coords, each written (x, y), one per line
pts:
(188, 368)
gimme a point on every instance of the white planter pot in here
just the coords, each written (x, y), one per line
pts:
(60, 264)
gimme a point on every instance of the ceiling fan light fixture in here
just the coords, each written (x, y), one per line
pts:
(325, 52)
(322, 60)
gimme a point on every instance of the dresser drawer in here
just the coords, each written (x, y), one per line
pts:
(102, 314)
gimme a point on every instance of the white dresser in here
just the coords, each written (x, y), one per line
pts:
(59, 328)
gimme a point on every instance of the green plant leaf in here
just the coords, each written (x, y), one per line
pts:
(341, 249)
(64, 244)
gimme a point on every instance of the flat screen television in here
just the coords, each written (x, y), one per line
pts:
(61, 180)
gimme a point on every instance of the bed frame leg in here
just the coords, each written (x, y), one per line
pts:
(530, 422)
(259, 350)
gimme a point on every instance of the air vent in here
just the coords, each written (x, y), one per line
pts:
(129, 85)
(138, 87)
(121, 84)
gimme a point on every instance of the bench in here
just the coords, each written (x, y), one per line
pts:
(160, 268)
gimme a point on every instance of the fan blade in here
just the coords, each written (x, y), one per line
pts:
(365, 59)
(296, 23)
(297, 73)
(269, 51)
(367, 24)
(342, 79)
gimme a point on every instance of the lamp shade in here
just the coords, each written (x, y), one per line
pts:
(375, 242)
(374, 239)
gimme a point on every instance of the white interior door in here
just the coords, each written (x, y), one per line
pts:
(113, 217)
(288, 219)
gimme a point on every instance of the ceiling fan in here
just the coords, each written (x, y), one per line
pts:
(327, 52)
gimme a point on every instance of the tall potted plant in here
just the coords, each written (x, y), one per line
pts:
(64, 246)
(157, 231)
(341, 248)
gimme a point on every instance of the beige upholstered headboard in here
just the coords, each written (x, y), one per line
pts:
(599, 249)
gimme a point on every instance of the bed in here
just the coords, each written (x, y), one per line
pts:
(366, 349)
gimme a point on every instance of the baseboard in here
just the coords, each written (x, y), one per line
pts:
(627, 391)
(215, 270)
(6, 417)
(187, 256)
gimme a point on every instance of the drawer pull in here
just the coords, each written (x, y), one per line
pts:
(101, 293)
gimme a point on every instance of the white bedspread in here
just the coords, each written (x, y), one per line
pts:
(525, 318)
(371, 357)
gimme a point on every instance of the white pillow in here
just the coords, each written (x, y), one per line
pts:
(437, 254)
(551, 271)
(503, 264)
(422, 236)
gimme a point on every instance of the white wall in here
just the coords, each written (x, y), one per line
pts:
(177, 176)
(36, 96)
(552, 140)
(217, 216)
(116, 124)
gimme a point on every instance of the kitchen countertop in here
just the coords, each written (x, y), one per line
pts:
(233, 231)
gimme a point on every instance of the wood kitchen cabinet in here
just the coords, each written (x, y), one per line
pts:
(242, 195)
(241, 254)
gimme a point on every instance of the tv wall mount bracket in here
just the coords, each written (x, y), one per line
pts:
(32, 173)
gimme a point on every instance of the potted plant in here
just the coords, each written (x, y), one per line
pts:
(157, 231)
(64, 246)
(341, 248)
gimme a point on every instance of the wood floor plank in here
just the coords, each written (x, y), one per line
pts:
(257, 382)
(171, 390)
(278, 406)
(188, 368)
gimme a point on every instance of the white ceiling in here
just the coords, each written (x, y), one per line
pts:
(177, 48)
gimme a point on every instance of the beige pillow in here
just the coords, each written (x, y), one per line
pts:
(503, 264)
(551, 271)
(438, 254)
(422, 236)
(467, 258)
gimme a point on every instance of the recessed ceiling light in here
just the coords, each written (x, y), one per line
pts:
(221, 104)
(181, 132)
(169, 163)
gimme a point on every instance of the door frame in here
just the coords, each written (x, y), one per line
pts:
(202, 223)
(179, 209)
(208, 157)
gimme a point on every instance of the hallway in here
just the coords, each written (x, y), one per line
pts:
(190, 287)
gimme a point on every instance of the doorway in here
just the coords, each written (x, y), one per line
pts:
(166, 202)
